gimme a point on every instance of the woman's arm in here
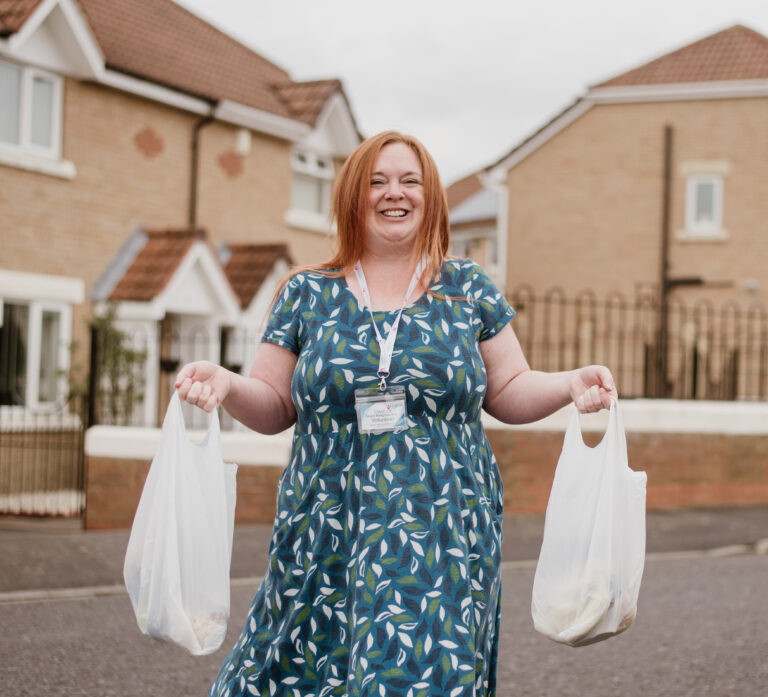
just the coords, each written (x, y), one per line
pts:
(261, 401)
(517, 395)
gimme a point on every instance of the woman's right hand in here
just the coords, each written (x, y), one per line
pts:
(203, 384)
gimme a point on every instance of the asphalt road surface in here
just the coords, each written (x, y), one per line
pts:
(701, 629)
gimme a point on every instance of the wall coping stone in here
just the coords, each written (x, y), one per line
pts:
(639, 415)
(661, 416)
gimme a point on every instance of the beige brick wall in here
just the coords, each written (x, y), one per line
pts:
(585, 208)
(75, 227)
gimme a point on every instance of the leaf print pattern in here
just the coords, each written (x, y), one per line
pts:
(384, 574)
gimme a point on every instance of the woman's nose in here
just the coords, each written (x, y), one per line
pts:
(394, 192)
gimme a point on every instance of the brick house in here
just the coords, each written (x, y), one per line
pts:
(651, 185)
(589, 184)
(127, 127)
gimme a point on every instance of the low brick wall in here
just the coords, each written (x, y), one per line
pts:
(114, 485)
(695, 455)
(684, 469)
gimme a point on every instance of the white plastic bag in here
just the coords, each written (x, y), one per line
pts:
(591, 562)
(177, 563)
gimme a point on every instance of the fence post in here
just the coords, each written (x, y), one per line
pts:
(93, 377)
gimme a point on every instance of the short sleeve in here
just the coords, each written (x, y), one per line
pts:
(494, 311)
(284, 324)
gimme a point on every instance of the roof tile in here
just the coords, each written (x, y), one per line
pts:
(306, 99)
(249, 265)
(462, 189)
(155, 264)
(163, 42)
(736, 53)
(13, 14)
(160, 41)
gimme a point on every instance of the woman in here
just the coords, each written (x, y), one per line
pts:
(384, 574)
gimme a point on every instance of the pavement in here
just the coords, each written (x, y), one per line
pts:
(55, 556)
(69, 629)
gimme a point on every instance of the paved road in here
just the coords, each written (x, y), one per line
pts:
(702, 629)
(702, 626)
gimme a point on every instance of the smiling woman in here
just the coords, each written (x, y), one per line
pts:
(396, 200)
(385, 561)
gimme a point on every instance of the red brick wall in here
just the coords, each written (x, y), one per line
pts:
(684, 470)
(113, 489)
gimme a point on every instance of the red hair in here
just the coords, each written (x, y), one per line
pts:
(349, 208)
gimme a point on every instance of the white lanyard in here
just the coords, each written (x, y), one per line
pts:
(386, 346)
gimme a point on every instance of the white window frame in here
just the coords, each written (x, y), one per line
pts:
(34, 349)
(319, 167)
(696, 229)
(25, 154)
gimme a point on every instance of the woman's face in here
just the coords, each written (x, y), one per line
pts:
(396, 198)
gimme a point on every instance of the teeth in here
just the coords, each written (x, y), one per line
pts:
(395, 214)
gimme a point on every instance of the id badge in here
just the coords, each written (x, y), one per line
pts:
(380, 410)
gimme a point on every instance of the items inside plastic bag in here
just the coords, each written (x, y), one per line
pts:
(592, 556)
(178, 558)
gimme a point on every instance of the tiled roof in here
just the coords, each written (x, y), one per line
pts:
(462, 189)
(306, 99)
(160, 41)
(249, 265)
(13, 13)
(737, 53)
(154, 265)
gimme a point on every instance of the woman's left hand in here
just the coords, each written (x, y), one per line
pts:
(592, 388)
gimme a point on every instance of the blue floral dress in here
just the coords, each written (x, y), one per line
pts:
(384, 574)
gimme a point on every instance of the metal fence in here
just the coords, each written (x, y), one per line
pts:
(42, 460)
(695, 350)
(687, 351)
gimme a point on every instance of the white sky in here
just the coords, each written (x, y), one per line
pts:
(470, 79)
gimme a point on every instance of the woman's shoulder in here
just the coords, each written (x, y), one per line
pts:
(463, 273)
(311, 278)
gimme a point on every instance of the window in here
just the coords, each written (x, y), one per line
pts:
(311, 191)
(30, 110)
(33, 352)
(704, 205)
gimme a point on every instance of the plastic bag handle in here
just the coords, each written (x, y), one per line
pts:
(214, 426)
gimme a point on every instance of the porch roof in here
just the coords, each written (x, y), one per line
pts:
(248, 265)
(154, 265)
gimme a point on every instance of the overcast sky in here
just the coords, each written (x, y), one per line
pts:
(470, 79)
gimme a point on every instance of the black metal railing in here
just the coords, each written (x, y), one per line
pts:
(42, 459)
(704, 350)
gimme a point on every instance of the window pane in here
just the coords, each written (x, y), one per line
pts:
(13, 354)
(307, 193)
(42, 112)
(705, 203)
(10, 100)
(49, 357)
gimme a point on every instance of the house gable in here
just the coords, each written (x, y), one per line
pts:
(334, 131)
(730, 64)
(199, 287)
(56, 36)
(167, 271)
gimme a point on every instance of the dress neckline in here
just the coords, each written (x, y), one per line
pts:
(361, 308)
